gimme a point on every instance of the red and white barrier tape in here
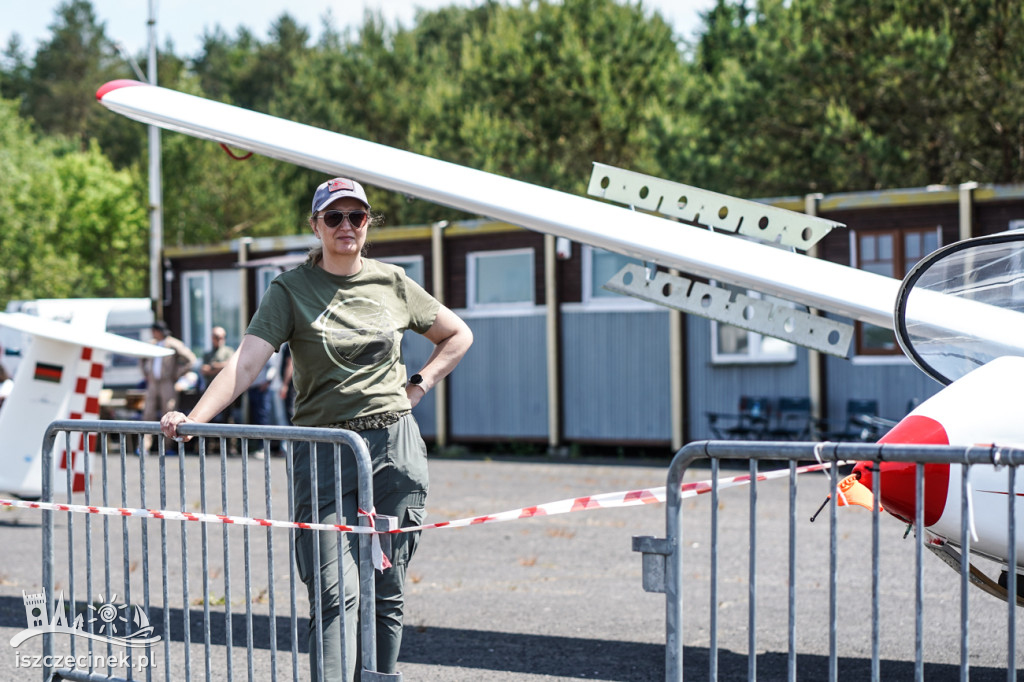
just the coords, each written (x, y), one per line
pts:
(611, 500)
(603, 501)
(171, 515)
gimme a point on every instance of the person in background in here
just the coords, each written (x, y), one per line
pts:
(280, 400)
(286, 391)
(214, 361)
(259, 393)
(161, 374)
(215, 358)
(343, 316)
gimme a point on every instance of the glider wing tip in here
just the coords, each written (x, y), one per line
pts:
(115, 85)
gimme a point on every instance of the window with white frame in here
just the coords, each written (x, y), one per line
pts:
(210, 298)
(413, 266)
(891, 253)
(264, 276)
(599, 266)
(500, 279)
(731, 344)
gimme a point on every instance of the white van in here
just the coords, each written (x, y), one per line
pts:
(130, 317)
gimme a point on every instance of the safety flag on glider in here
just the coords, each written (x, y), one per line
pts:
(852, 491)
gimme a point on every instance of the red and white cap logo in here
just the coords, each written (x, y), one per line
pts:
(338, 188)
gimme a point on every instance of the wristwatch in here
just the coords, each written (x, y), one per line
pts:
(417, 380)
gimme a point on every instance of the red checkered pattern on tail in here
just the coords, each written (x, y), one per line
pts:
(84, 404)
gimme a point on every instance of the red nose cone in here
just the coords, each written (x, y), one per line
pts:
(897, 486)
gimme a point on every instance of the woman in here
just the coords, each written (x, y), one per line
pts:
(343, 316)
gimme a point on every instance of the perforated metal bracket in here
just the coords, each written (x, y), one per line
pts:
(719, 212)
(654, 551)
(752, 314)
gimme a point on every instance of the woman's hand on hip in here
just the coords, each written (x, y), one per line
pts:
(415, 393)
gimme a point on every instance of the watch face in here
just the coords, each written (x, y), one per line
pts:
(415, 380)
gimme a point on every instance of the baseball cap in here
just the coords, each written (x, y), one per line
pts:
(338, 188)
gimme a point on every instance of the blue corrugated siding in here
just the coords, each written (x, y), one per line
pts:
(415, 351)
(616, 383)
(616, 380)
(895, 382)
(895, 387)
(499, 390)
(717, 388)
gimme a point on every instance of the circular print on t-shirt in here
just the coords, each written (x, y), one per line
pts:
(357, 333)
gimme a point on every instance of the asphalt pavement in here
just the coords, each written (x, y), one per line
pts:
(538, 599)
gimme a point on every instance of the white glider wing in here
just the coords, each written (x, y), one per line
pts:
(816, 283)
(813, 282)
(76, 335)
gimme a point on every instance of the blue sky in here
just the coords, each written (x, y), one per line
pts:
(184, 21)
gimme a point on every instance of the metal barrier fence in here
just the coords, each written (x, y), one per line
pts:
(664, 567)
(235, 627)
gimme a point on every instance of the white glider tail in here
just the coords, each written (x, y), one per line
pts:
(59, 377)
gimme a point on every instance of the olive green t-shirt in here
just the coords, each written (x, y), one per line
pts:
(345, 335)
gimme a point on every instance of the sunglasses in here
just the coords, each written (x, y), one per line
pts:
(356, 219)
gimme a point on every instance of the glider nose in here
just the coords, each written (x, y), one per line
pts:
(897, 484)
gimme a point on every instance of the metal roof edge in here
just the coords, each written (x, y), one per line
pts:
(840, 201)
(907, 196)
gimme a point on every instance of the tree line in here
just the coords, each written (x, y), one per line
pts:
(773, 97)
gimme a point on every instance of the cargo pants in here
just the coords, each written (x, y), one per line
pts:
(399, 460)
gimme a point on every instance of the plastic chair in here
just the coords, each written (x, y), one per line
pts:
(792, 419)
(862, 423)
(751, 423)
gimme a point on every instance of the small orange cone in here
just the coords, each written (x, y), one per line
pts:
(852, 491)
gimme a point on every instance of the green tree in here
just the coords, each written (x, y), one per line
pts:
(364, 84)
(14, 69)
(536, 92)
(99, 228)
(70, 224)
(258, 196)
(247, 72)
(774, 97)
(986, 69)
(67, 70)
(210, 197)
(844, 95)
(23, 196)
(550, 88)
